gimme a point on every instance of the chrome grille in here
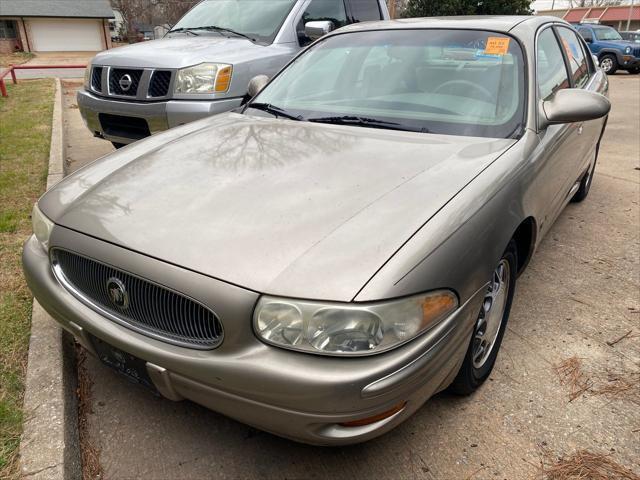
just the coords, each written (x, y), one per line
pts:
(139, 304)
(117, 77)
(636, 52)
(96, 79)
(159, 86)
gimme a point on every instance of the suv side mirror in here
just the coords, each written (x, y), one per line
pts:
(315, 30)
(256, 84)
(572, 105)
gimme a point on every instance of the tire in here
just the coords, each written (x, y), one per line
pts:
(634, 70)
(585, 185)
(609, 64)
(118, 145)
(478, 362)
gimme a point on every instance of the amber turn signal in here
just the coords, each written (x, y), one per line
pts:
(375, 418)
(223, 79)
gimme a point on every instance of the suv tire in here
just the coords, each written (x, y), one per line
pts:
(634, 70)
(609, 64)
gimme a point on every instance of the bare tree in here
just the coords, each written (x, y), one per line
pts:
(152, 12)
(593, 3)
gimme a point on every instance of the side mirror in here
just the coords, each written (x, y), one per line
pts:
(588, 39)
(572, 105)
(596, 62)
(315, 30)
(256, 84)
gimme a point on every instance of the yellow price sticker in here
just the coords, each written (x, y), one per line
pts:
(497, 46)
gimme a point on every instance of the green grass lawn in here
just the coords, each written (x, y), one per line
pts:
(25, 133)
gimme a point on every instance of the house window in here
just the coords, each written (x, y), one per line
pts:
(7, 29)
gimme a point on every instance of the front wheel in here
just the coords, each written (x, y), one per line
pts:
(490, 325)
(609, 64)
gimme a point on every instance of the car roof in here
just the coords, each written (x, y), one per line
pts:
(499, 23)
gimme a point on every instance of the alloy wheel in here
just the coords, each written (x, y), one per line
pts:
(491, 314)
(606, 64)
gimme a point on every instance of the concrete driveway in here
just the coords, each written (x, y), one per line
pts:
(581, 290)
(56, 58)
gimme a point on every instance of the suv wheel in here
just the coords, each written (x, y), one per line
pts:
(490, 325)
(634, 70)
(609, 64)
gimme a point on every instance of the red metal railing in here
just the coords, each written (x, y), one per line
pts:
(12, 71)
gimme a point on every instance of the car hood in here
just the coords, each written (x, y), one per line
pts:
(181, 51)
(276, 206)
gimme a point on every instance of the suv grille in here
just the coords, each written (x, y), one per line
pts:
(159, 86)
(124, 81)
(138, 304)
(96, 79)
(636, 52)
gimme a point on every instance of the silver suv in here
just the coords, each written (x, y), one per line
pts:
(204, 64)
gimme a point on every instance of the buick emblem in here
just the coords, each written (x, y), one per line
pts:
(117, 293)
(125, 82)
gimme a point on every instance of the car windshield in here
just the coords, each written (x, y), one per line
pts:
(456, 82)
(607, 33)
(257, 19)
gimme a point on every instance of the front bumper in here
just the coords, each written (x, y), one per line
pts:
(159, 116)
(295, 395)
(629, 62)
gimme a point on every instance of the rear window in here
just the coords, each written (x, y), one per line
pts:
(365, 10)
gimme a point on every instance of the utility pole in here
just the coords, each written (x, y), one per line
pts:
(629, 17)
(392, 8)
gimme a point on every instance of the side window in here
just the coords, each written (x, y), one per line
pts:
(365, 10)
(575, 55)
(317, 10)
(586, 34)
(550, 67)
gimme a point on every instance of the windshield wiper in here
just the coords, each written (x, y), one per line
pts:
(367, 122)
(184, 30)
(273, 110)
(215, 28)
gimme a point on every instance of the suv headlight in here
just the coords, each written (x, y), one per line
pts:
(42, 227)
(87, 77)
(627, 50)
(349, 328)
(204, 78)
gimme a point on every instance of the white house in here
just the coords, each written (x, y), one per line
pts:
(55, 25)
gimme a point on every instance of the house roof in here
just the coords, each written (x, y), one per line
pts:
(616, 13)
(56, 8)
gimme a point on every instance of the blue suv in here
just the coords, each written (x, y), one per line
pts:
(612, 51)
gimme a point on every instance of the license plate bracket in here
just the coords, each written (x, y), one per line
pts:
(130, 366)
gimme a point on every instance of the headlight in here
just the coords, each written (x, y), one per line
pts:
(204, 78)
(349, 328)
(87, 77)
(42, 227)
(627, 50)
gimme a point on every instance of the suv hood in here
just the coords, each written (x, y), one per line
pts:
(616, 44)
(276, 206)
(181, 51)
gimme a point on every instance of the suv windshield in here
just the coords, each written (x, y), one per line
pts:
(607, 33)
(257, 19)
(456, 82)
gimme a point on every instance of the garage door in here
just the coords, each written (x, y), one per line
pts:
(63, 34)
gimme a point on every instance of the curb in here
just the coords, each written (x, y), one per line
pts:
(49, 447)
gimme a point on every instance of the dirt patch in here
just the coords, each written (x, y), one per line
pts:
(90, 455)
